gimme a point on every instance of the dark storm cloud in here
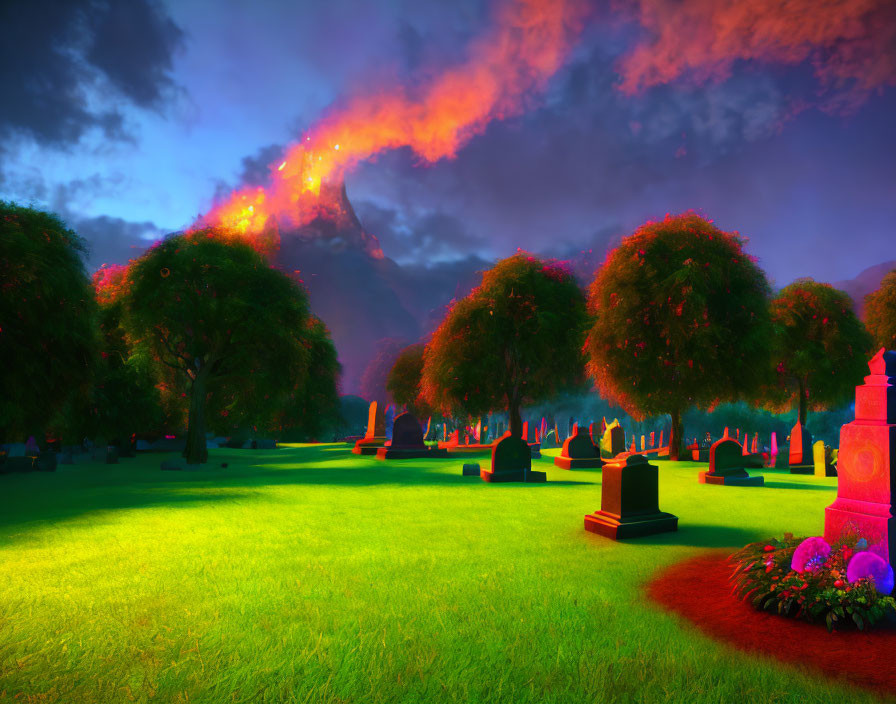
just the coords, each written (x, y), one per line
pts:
(113, 240)
(66, 66)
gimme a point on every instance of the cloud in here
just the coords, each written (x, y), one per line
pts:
(851, 44)
(68, 66)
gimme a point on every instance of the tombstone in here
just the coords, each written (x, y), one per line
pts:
(773, 447)
(652, 440)
(455, 438)
(375, 437)
(512, 462)
(612, 442)
(633, 450)
(19, 463)
(744, 450)
(526, 436)
(661, 438)
(46, 462)
(799, 458)
(755, 447)
(574, 431)
(471, 470)
(407, 441)
(866, 463)
(823, 459)
(579, 453)
(629, 505)
(727, 466)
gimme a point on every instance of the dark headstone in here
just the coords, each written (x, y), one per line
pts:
(799, 456)
(512, 462)
(579, 453)
(407, 441)
(727, 466)
(629, 504)
(471, 470)
(612, 441)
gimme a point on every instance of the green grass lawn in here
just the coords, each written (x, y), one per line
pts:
(307, 574)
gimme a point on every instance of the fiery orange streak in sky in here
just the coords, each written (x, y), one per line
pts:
(503, 71)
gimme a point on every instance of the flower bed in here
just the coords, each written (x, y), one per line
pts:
(806, 578)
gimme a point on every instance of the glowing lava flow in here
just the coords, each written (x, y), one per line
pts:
(503, 69)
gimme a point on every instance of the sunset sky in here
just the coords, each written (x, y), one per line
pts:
(131, 118)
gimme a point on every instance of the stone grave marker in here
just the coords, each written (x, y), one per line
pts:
(512, 462)
(471, 470)
(375, 437)
(727, 466)
(629, 505)
(579, 453)
(799, 458)
(407, 441)
(823, 459)
(866, 463)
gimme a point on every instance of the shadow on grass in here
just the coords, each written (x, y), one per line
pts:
(86, 488)
(797, 485)
(702, 536)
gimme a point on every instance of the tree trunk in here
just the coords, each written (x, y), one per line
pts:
(516, 420)
(675, 435)
(196, 451)
(804, 400)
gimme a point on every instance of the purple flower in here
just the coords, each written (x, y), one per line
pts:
(866, 564)
(810, 555)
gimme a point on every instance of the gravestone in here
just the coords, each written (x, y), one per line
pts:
(512, 462)
(629, 505)
(755, 447)
(579, 453)
(375, 437)
(613, 440)
(823, 458)
(471, 470)
(866, 463)
(407, 441)
(727, 466)
(799, 457)
(661, 438)
(652, 439)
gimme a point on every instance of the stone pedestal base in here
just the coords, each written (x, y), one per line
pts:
(471, 470)
(610, 525)
(870, 520)
(515, 476)
(398, 453)
(802, 469)
(731, 480)
(572, 463)
(368, 446)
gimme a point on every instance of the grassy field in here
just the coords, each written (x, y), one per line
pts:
(307, 574)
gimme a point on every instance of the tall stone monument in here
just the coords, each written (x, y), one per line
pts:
(375, 437)
(866, 463)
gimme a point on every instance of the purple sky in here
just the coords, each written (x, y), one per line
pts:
(128, 119)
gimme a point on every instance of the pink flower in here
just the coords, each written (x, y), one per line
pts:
(810, 555)
(867, 565)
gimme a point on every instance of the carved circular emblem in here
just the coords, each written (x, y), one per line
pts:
(165, 273)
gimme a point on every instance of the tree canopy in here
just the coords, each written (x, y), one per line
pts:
(404, 379)
(514, 340)
(880, 312)
(680, 319)
(821, 348)
(212, 310)
(48, 339)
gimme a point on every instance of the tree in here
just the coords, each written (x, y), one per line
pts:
(880, 313)
(48, 338)
(124, 398)
(820, 351)
(514, 340)
(404, 378)
(680, 319)
(213, 311)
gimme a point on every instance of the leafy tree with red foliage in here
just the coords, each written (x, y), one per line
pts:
(514, 340)
(680, 319)
(880, 312)
(820, 351)
(48, 338)
(212, 310)
(404, 380)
